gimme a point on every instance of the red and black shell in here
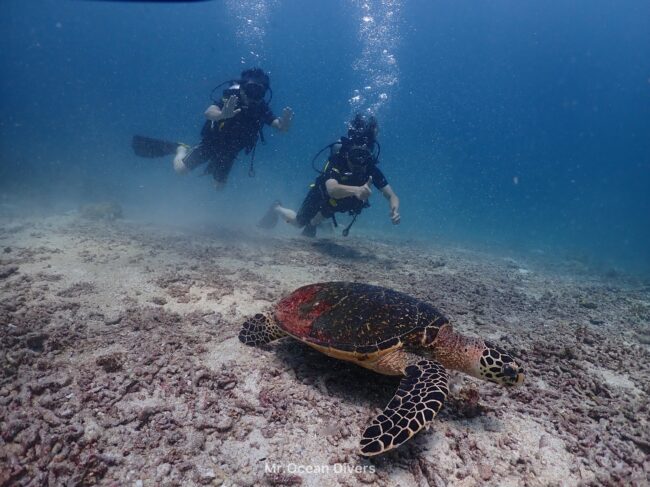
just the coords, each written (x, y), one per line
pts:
(355, 317)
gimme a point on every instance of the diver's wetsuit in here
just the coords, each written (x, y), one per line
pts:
(223, 140)
(318, 199)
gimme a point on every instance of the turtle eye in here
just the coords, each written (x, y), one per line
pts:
(509, 371)
(513, 374)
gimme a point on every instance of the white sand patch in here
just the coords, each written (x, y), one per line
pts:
(521, 439)
(228, 350)
(551, 460)
(540, 383)
(614, 379)
(241, 304)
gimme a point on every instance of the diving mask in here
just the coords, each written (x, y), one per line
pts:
(254, 91)
(359, 157)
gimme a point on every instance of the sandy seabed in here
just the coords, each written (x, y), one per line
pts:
(121, 364)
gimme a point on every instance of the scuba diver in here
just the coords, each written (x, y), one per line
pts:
(234, 123)
(343, 184)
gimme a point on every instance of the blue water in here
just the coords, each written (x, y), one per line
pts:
(521, 125)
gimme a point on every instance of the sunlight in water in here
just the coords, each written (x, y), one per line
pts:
(250, 18)
(376, 64)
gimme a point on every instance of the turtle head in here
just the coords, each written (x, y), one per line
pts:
(496, 365)
(476, 357)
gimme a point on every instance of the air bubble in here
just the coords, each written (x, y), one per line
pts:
(376, 65)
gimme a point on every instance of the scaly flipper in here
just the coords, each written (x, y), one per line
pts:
(260, 330)
(418, 399)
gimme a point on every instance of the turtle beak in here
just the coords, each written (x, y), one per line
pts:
(521, 376)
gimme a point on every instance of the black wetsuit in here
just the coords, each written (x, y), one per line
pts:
(319, 200)
(223, 140)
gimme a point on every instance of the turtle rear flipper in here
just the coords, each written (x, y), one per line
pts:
(418, 399)
(260, 330)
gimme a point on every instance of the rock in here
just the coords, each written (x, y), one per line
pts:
(213, 319)
(113, 318)
(35, 341)
(111, 362)
(366, 477)
(74, 432)
(163, 470)
(144, 414)
(10, 473)
(206, 475)
(53, 382)
(7, 270)
(485, 471)
(66, 412)
(491, 424)
(92, 432)
(282, 479)
(14, 427)
(159, 300)
(77, 290)
(469, 406)
(196, 442)
(224, 424)
(467, 481)
(226, 382)
(544, 441)
(587, 476)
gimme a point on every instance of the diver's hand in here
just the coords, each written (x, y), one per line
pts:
(179, 159)
(229, 109)
(284, 122)
(364, 192)
(394, 213)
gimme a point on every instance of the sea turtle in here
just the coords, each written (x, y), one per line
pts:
(393, 334)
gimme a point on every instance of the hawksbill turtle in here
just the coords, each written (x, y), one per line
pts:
(393, 334)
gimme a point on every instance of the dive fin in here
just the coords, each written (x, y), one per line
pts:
(148, 147)
(309, 231)
(270, 219)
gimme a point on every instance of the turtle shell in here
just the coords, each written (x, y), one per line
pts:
(355, 317)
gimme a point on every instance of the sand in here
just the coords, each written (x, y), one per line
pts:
(121, 364)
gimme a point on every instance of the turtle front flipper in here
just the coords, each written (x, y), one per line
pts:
(418, 399)
(260, 330)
